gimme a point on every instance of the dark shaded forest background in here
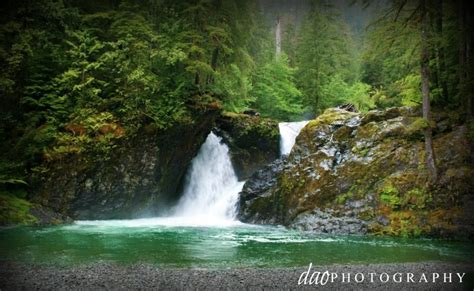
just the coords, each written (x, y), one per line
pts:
(78, 76)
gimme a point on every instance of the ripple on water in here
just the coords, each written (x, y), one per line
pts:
(161, 242)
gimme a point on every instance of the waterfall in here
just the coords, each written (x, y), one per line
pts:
(288, 133)
(211, 190)
(278, 38)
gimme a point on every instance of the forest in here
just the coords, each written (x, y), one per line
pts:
(124, 63)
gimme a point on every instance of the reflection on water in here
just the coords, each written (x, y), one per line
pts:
(162, 242)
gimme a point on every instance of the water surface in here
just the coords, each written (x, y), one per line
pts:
(173, 242)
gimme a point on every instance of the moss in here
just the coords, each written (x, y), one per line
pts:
(367, 215)
(330, 116)
(416, 198)
(416, 127)
(353, 191)
(364, 152)
(287, 185)
(368, 131)
(401, 223)
(341, 199)
(252, 130)
(231, 114)
(393, 172)
(14, 210)
(389, 196)
(443, 222)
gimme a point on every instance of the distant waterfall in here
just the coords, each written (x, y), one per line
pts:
(278, 38)
(211, 189)
(288, 133)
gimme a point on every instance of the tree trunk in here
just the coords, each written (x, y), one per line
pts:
(215, 55)
(465, 57)
(425, 91)
(462, 45)
(440, 56)
(468, 65)
(214, 58)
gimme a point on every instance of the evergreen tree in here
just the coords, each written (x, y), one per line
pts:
(275, 92)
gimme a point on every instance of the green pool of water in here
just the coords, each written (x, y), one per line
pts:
(237, 245)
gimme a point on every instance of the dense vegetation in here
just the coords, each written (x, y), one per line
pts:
(80, 75)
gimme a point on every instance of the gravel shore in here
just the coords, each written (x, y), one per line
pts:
(143, 276)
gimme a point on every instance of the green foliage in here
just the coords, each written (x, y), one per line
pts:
(387, 64)
(235, 87)
(326, 58)
(409, 88)
(390, 196)
(393, 65)
(275, 92)
(78, 77)
(14, 210)
(336, 92)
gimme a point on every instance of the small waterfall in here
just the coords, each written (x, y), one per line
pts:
(288, 133)
(278, 38)
(211, 189)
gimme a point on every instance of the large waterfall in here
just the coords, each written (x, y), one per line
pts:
(211, 189)
(210, 194)
(288, 133)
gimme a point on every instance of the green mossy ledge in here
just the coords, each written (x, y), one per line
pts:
(253, 141)
(353, 173)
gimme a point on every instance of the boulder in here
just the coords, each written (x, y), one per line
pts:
(352, 173)
(253, 141)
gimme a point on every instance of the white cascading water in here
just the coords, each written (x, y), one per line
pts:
(210, 195)
(212, 189)
(288, 133)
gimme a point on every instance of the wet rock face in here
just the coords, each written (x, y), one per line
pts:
(253, 141)
(141, 176)
(260, 187)
(355, 173)
(324, 222)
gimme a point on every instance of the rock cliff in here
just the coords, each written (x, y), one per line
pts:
(353, 173)
(141, 175)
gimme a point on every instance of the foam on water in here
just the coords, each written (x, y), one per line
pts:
(177, 221)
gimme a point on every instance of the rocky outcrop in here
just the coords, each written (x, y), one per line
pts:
(140, 176)
(356, 173)
(255, 202)
(253, 141)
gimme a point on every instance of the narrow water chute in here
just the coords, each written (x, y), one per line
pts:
(288, 133)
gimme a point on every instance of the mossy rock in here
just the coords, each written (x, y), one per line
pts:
(15, 210)
(372, 166)
(254, 141)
